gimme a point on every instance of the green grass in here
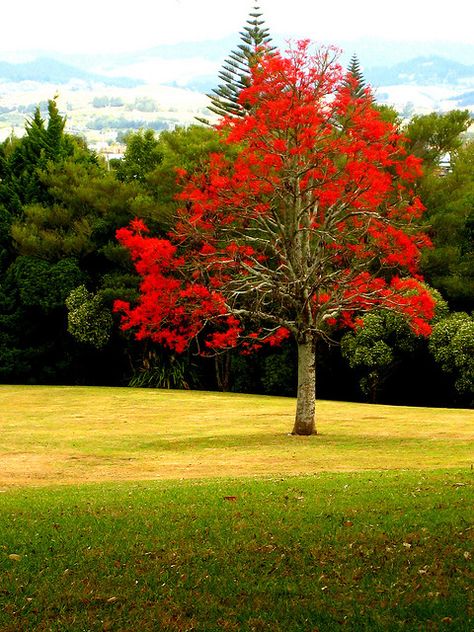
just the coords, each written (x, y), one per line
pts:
(359, 551)
(132, 510)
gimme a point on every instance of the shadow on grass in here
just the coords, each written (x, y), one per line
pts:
(261, 441)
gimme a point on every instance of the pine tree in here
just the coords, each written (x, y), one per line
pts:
(356, 78)
(235, 73)
(33, 145)
(55, 140)
(43, 142)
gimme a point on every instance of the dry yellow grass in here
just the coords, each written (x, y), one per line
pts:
(80, 434)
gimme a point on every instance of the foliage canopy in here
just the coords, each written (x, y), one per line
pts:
(301, 232)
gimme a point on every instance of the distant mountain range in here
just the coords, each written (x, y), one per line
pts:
(47, 70)
(421, 71)
(370, 51)
(195, 66)
(431, 72)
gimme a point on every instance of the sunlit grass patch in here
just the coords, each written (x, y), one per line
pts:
(79, 434)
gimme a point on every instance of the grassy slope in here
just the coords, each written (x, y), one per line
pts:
(75, 434)
(385, 549)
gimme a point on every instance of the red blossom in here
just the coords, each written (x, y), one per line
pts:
(308, 227)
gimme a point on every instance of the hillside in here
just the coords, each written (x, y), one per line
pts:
(46, 70)
(422, 71)
(173, 80)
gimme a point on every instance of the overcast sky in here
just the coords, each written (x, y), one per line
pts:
(89, 26)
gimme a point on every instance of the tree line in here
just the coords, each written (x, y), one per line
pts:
(62, 268)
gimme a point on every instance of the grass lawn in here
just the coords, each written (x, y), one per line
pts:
(369, 526)
(85, 434)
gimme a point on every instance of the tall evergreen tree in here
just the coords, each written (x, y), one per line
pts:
(57, 143)
(355, 78)
(359, 89)
(43, 142)
(236, 71)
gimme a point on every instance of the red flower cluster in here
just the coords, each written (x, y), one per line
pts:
(307, 228)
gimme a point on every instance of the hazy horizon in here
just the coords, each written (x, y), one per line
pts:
(113, 27)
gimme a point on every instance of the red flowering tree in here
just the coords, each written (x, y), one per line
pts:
(308, 225)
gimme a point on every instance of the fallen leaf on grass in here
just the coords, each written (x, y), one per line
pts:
(15, 557)
(230, 498)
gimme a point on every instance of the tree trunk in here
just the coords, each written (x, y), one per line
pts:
(306, 396)
(222, 364)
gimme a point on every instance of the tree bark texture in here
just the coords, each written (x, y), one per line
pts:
(306, 395)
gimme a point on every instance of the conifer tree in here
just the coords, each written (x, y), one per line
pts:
(57, 145)
(235, 73)
(356, 78)
(42, 143)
